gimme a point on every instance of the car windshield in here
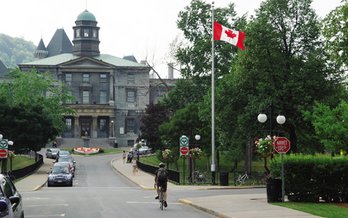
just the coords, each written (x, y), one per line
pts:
(64, 159)
(64, 153)
(54, 150)
(60, 169)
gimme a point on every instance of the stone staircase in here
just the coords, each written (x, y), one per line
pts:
(90, 142)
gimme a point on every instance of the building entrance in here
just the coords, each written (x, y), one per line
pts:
(85, 126)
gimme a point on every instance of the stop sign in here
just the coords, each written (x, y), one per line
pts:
(3, 153)
(281, 145)
(184, 150)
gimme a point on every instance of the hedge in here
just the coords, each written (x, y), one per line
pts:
(313, 178)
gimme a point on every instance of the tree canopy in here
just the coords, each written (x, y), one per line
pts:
(33, 105)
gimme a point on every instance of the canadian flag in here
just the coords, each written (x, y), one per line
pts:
(229, 35)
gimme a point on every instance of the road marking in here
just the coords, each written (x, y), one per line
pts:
(46, 205)
(146, 202)
(47, 215)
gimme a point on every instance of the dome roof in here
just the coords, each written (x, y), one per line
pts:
(86, 16)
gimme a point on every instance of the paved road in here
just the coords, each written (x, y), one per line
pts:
(100, 191)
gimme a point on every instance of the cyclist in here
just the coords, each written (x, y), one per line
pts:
(161, 180)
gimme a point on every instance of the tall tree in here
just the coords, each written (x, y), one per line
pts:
(32, 88)
(335, 32)
(155, 115)
(27, 125)
(283, 70)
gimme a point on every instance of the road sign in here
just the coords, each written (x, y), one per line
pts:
(281, 145)
(184, 141)
(3, 144)
(184, 150)
(3, 153)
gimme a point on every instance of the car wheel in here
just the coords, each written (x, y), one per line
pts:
(71, 183)
(49, 184)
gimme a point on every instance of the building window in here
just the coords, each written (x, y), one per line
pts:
(68, 123)
(68, 78)
(86, 32)
(130, 96)
(130, 78)
(130, 125)
(85, 97)
(95, 34)
(103, 97)
(103, 77)
(85, 78)
(102, 125)
(77, 33)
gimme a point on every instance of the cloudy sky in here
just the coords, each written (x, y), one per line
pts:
(143, 28)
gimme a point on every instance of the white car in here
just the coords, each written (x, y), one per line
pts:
(144, 150)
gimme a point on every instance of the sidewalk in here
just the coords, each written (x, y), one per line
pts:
(236, 206)
(36, 180)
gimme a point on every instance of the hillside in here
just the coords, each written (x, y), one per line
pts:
(16, 50)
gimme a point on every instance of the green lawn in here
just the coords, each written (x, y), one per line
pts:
(19, 162)
(318, 209)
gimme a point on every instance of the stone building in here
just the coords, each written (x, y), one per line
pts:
(110, 93)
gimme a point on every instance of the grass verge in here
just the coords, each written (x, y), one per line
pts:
(329, 210)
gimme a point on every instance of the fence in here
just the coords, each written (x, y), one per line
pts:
(172, 175)
(20, 173)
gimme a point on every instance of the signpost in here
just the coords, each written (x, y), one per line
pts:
(184, 150)
(282, 146)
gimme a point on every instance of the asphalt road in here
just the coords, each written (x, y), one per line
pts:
(99, 191)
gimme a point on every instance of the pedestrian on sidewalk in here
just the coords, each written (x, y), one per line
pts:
(134, 166)
(124, 156)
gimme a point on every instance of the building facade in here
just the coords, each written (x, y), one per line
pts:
(110, 93)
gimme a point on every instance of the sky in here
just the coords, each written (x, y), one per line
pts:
(143, 28)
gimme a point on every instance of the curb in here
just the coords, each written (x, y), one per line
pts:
(39, 186)
(112, 165)
(212, 212)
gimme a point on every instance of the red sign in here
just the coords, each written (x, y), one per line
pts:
(184, 150)
(3, 153)
(281, 145)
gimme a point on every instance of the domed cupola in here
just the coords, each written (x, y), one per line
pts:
(86, 35)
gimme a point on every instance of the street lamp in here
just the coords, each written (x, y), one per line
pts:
(191, 161)
(262, 118)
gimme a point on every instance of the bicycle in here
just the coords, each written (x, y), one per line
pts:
(242, 178)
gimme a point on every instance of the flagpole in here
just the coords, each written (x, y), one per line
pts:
(212, 100)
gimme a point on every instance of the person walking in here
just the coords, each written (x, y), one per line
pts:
(124, 156)
(134, 166)
(161, 180)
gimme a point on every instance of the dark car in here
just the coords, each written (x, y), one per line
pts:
(10, 200)
(60, 175)
(52, 153)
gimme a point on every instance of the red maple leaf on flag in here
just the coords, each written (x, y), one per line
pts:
(230, 33)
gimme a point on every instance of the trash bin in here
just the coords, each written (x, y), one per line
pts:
(224, 178)
(274, 190)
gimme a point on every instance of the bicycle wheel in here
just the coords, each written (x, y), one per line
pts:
(161, 198)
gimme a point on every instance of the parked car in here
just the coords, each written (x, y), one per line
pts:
(52, 153)
(144, 150)
(11, 204)
(60, 175)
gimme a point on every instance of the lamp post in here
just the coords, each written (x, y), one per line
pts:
(191, 161)
(262, 118)
(112, 129)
